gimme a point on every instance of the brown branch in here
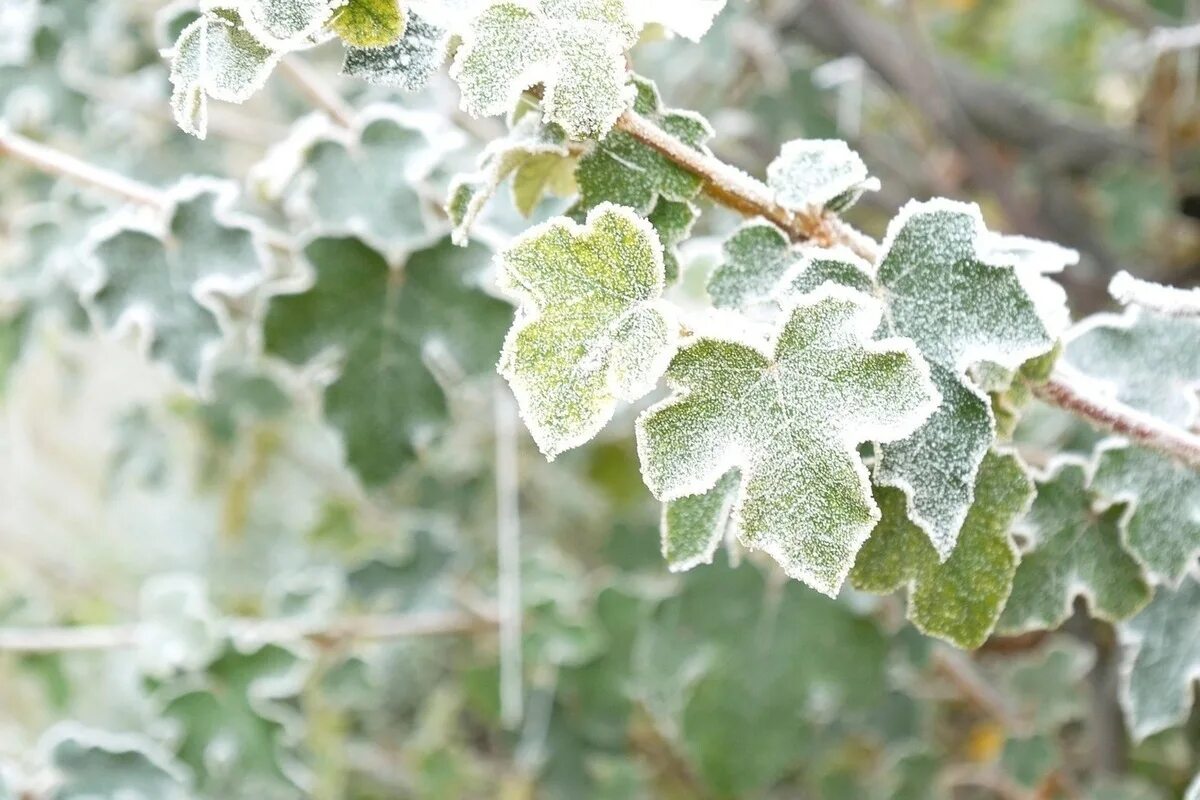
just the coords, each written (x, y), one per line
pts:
(1111, 416)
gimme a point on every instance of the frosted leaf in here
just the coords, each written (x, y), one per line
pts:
(592, 327)
(809, 173)
(284, 25)
(1161, 660)
(1141, 359)
(179, 630)
(533, 153)
(1162, 522)
(369, 24)
(382, 320)
(688, 18)
(692, 527)
(217, 57)
(961, 598)
(576, 48)
(790, 416)
(1045, 686)
(754, 259)
(363, 181)
(673, 223)
(1075, 552)
(960, 310)
(1166, 300)
(93, 764)
(407, 64)
(174, 286)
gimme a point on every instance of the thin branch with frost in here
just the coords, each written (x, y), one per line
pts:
(361, 628)
(1167, 300)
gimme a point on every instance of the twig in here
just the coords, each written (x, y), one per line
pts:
(1118, 418)
(373, 627)
(961, 672)
(317, 91)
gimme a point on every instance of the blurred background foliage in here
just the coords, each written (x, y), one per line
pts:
(124, 499)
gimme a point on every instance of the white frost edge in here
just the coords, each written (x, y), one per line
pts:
(715, 536)
(529, 311)
(865, 322)
(1169, 301)
(690, 19)
(114, 743)
(834, 150)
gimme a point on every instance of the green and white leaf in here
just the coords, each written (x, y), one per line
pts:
(387, 321)
(1168, 301)
(179, 629)
(216, 56)
(961, 598)
(1161, 524)
(790, 414)
(173, 285)
(592, 327)
(285, 25)
(93, 764)
(812, 173)
(575, 48)
(693, 526)
(1075, 551)
(1161, 660)
(367, 24)
(960, 309)
(407, 63)
(673, 223)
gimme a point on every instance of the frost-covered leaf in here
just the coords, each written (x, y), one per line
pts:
(960, 310)
(1162, 521)
(810, 173)
(216, 56)
(364, 181)
(1161, 660)
(173, 286)
(286, 24)
(790, 416)
(694, 526)
(960, 599)
(369, 23)
(1142, 359)
(386, 321)
(1046, 686)
(406, 64)
(576, 48)
(673, 223)
(533, 153)
(688, 18)
(1075, 552)
(96, 765)
(1166, 300)
(180, 630)
(592, 327)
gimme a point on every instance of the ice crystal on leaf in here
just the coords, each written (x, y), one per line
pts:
(173, 286)
(958, 599)
(960, 309)
(812, 173)
(1161, 660)
(382, 320)
(1075, 552)
(575, 48)
(407, 63)
(790, 415)
(592, 327)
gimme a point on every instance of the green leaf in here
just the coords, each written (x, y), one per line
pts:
(592, 327)
(576, 48)
(754, 259)
(1136, 359)
(960, 309)
(810, 173)
(1162, 522)
(790, 415)
(406, 64)
(217, 57)
(95, 765)
(369, 23)
(1046, 686)
(386, 320)
(673, 223)
(175, 286)
(1075, 552)
(961, 598)
(1161, 660)
(694, 526)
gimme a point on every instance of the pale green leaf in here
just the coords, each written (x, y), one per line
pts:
(694, 526)
(179, 630)
(406, 64)
(810, 173)
(284, 25)
(592, 327)
(173, 286)
(1162, 521)
(96, 765)
(960, 310)
(961, 598)
(790, 414)
(1161, 660)
(1075, 552)
(1046, 686)
(369, 23)
(755, 258)
(575, 48)
(385, 321)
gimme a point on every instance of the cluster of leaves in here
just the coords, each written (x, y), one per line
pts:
(306, 395)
